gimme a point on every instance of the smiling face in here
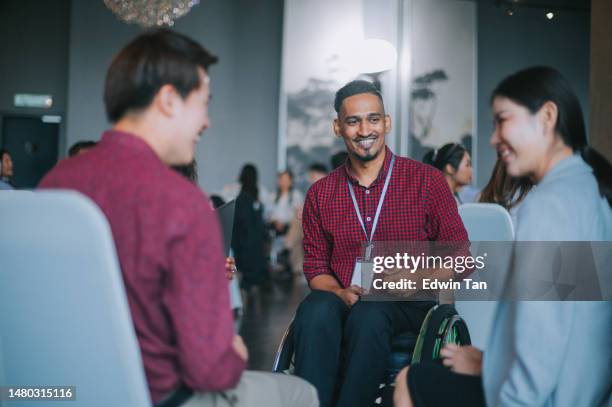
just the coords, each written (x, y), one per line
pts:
(362, 124)
(193, 118)
(519, 137)
(190, 120)
(463, 175)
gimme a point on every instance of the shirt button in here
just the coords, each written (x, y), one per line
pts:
(368, 219)
(368, 191)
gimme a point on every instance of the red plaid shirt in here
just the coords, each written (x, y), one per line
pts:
(419, 206)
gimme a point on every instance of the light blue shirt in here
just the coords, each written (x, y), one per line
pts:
(554, 353)
(5, 186)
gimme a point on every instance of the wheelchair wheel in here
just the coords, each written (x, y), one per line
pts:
(442, 326)
(284, 359)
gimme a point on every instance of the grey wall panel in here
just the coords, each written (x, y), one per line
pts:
(507, 44)
(245, 35)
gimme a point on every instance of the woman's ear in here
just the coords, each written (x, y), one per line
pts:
(549, 114)
(449, 170)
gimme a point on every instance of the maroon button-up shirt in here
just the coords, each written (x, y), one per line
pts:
(169, 247)
(418, 206)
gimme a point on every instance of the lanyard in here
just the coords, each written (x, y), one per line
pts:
(378, 209)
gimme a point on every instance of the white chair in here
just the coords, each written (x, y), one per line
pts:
(484, 223)
(64, 316)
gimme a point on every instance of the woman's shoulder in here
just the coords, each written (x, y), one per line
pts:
(567, 206)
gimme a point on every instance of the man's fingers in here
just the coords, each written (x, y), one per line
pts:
(353, 298)
(451, 347)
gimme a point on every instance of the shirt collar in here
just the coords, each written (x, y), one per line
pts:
(129, 141)
(350, 176)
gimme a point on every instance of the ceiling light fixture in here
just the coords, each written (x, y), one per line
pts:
(149, 13)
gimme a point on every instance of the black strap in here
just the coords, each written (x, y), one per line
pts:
(177, 398)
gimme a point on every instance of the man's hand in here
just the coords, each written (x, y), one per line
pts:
(349, 295)
(278, 226)
(416, 279)
(230, 267)
(462, 359)
(240, 348)
(396, 276)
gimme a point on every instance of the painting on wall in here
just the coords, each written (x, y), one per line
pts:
(319, 38)
(442, 89)
(316, 35)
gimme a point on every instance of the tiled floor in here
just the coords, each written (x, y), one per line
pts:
(266, 317)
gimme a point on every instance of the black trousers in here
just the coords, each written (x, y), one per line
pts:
(344, 351)
(457, 390)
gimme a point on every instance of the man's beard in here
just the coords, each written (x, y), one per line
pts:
(368, 157)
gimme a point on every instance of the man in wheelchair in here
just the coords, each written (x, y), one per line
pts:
(342, 345)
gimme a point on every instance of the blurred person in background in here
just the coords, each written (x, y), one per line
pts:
(249, 236)
(81, 147)
(456, 164)
(295, 234)
(338, 159)
(6, 169)
(286, 203)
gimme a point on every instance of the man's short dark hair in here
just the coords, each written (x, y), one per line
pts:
(318, 167)
(150, 61)
(80, 145)
(338, 159)
(355, 88)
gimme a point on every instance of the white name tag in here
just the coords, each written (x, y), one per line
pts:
(363, 273)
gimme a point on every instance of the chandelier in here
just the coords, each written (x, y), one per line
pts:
(148, 13)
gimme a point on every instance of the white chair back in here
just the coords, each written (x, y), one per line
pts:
(484, 223)
(64, 316)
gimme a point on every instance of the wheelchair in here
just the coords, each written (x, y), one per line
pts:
(442, 325)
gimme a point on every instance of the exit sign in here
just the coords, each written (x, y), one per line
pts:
(31, 100)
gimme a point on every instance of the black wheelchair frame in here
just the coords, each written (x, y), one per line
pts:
(441, 326)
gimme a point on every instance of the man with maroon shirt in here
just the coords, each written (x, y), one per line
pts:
(375, 196)
(166, 234)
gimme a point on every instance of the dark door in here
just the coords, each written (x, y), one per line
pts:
(33, 145)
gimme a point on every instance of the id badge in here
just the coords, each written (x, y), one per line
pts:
(363, 273)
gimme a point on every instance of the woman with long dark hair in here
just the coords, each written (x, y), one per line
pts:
(540, 353)
(455, 162)
(249, 236)
(505, 190)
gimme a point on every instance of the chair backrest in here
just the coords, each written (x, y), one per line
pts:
(484, 222)
(64, 316)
